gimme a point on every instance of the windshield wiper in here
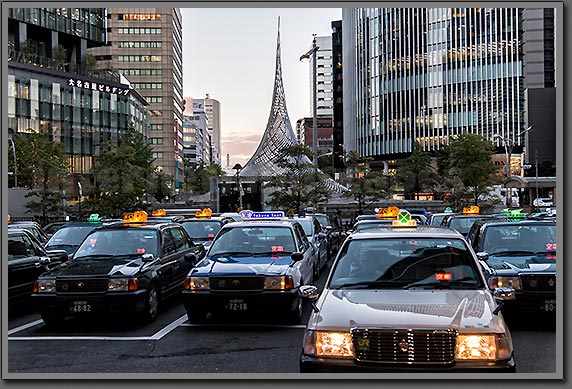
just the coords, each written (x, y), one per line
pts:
(60, 245)
(513, 252)
(93, 256)
(370, 284)
(468, 281)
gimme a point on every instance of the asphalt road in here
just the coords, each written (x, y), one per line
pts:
(221, 345)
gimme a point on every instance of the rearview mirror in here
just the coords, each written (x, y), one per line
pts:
(147, 257)
(504, 294)
(191, 258)
(296, 257)
(483, 256)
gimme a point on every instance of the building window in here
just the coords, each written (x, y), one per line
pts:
(156, 127)
(154, 99)
(158, 155)
(141, 72)
(152, 17)
(139, 58)
(157, 141)
(137, 45)
(147, 85)
(132, 30)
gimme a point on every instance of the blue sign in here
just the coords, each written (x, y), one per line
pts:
(246, 214)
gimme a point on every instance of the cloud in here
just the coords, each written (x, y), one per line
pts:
(240, 146)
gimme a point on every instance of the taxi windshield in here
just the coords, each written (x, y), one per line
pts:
(306, 225)
(323, 219)
(520, 243)
(255, 240)
(202, 230)
(71, 234)
(117, 242)
(406, 262)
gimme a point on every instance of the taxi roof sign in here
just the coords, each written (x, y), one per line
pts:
(250, 215)
(94, 217)
(135, 217)
(472, 210)
(404, 219)
(205, 212)
(159, 212)
(388, 213)
(448, 210)
(514, 214)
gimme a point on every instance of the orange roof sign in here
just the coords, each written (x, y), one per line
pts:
(388, 213)
(159, 212)
(206, 212)
(472, 210)
(135, 217)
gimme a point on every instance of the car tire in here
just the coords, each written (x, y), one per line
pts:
(196, 316)
(149, 314)
(52, 320)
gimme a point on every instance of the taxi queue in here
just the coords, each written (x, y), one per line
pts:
(267, 262)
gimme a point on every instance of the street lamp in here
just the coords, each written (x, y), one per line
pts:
(238, 168)
(312, 53)
(508, 145)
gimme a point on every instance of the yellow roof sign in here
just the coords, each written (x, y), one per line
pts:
(472, 210)
(135, 217)
(159, 212)
(205, 212)
(388, 213)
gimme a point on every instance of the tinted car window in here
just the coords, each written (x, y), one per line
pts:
(181, 241)
(540, 239)
(19, 246)
(254, 240)
(402, 261)
(122, 241)
(202, 230)
(70, 235)
(306, 225)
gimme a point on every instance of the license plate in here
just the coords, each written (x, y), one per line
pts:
(548, 306)
(80, 306)
(236, 305)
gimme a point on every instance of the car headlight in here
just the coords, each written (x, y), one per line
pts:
(122, 284)
(44, 286)
(197, 283)
(481, 346)
(279, 282)
(328, 344)
(503, 282)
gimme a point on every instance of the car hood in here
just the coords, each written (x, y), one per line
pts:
(101, 267)
(514, 264)
(242, 265)
(464, 310)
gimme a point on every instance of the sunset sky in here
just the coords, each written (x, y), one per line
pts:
(229, 53)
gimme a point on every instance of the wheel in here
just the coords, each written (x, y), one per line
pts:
(295, 316)
(52, 320)
(196, 316)
(149, 314)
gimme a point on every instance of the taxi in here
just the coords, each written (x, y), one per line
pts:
(118, 268)
(256, 265)
(523, 256)
(464, 221)
(318, 239)
(203, 227)
(406, 298)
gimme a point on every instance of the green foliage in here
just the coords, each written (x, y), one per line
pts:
(301, 185)
(366, 186)
(29, 48)
(90, 62)
(416, 173)
(197, 179)
(42, 167)
(123, 174)
(60, 54)
(470, 159)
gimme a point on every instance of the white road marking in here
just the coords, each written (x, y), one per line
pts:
(243, 325)
(25, 326)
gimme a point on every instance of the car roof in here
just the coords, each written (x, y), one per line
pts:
(156, 225)
(424, 231)
(203, 219)
(521, 222)
(262, 223)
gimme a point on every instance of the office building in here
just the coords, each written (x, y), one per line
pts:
(338, 97)
(145, 45)
(212, 109)
(52, 87)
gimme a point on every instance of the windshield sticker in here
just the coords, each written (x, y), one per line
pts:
(140, 250)
(210, 236)
(550, 246)
(277, 249)
(551, 257)
(443, 276)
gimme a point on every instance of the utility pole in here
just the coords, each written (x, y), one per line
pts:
(536, 164)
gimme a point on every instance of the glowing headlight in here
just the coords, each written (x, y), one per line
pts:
(328, 344)
(279, 282)
(504, 282)
(45, 286)
(477, 346)
(197, 283)
(122, 284)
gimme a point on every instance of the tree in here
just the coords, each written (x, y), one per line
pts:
(60, 55)
(90, 62)
(301, 184)
(471, 156)
(43, 167)
(29, 48)
(416, 173)
(123, 174)
(366, 186)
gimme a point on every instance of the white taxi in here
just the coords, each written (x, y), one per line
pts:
(406, 298)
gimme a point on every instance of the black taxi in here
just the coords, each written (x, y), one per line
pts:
(120, 268)
(204, 226)
(252, 266)
(521, 255)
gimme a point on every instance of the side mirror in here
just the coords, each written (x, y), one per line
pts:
(191, 258)
(504, 294)
(297, 257)
(147, 257)
(483, 256)
(310, 294)
(44, 261)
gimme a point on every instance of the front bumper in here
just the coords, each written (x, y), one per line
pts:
(311, 364)
(118, 302)
(258, 301)
(531, 302)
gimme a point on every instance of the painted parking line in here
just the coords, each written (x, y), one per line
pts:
(158, 335)
(244, 325)
(25, 326)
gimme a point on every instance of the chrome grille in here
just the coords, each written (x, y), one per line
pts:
(404, 346)
(236, 283)
(87, 285)
(538, 282)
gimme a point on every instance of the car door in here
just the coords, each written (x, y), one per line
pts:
(321, 242)
(24, 266)
(305, 266)
(183, 246)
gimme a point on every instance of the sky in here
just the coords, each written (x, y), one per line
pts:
(230, 53)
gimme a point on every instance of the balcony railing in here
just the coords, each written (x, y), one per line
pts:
(68, 67)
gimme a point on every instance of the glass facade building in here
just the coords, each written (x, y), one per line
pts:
(427, 74)
(80, 108)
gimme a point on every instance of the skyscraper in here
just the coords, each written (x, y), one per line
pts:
(145, 45)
